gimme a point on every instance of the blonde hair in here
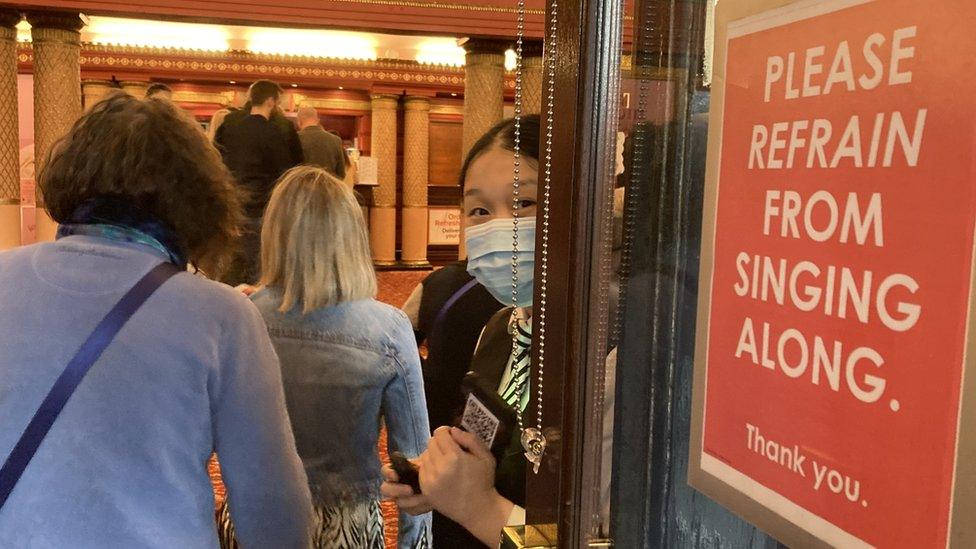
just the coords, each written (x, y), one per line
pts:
(215, 122)
(314, 246)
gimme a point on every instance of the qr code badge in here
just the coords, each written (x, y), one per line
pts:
(479, 421)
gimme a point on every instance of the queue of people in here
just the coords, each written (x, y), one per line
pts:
(288, 381)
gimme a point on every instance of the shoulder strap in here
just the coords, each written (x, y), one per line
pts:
(72, 375)
(439, 319)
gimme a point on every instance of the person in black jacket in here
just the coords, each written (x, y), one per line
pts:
(256, 153)
(280, 121)
(448, 310)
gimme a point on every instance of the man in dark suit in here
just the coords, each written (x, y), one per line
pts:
(320, 147)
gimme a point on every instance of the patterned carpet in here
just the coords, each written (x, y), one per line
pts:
(394, 288)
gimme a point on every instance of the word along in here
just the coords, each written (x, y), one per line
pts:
(807, 80)
(796, 357)
(814, 143)
(840, 292)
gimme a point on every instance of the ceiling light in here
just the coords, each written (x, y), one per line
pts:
(23, 31)
(233, 81)
(311, 43)
(510, 60)
(294, 85)
(440, 51)
(157, 34)
(453, 94)
(341, 88)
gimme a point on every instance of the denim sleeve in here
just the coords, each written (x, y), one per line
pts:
(405, 412)
(266, 484)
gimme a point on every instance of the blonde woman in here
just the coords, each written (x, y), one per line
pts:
(215, 122)
(347, 360)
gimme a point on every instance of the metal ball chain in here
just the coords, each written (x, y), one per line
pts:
(532, 438)
(550, 50)
(516, 196)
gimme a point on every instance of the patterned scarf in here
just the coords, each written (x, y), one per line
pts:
(113, 219)
(516, 376)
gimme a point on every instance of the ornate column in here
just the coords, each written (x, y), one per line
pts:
(532, 77)
(9, 140)
(93, 91)
(57, 89)
(136, 89)
(416, 141)
(484, 88)
(382, 216)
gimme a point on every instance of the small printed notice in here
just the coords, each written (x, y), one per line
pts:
(444, 226)
(837, 272)
(368, 171)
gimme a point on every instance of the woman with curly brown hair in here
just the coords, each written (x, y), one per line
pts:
(134, 185)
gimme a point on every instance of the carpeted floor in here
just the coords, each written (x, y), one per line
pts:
(394, 288)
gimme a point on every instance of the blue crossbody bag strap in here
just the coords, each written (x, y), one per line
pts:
(442, 313)
(71, 377)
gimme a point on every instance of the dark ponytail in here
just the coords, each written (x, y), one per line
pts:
(503, 135)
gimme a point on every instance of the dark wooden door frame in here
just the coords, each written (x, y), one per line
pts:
(653, 506)
(566, 491)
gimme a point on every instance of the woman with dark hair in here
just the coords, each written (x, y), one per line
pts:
(473, 490)
(136, 185)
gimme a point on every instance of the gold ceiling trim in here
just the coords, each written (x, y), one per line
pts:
(439, 5)
(332, 103)
(231, 64)
(456, 110)
(217, 98)
(245, 57)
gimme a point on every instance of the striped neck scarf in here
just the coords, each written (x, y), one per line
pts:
(516, 376)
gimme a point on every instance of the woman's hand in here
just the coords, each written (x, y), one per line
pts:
(406, 500)
(457, 475)
(246, 289)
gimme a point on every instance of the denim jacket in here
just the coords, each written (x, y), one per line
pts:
(346, 368)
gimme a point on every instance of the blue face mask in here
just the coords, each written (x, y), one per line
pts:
(490, 258)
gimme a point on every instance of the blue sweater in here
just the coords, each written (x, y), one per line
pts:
(125, 465)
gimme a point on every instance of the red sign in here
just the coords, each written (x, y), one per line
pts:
(840, 271)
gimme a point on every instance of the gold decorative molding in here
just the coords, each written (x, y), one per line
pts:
(455, 110)
(100, 56)
(385, 101)
(333, 103)
(242, 56)
(235, 64)
(218, 98)
(414, 103)
(442, 6)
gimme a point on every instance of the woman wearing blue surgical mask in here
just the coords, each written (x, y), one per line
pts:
(459, 477)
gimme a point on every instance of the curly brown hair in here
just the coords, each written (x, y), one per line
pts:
(152, 155)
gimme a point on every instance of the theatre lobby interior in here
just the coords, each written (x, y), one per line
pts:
(415, 274)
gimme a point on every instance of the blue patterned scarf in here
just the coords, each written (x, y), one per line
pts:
(114, 219)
